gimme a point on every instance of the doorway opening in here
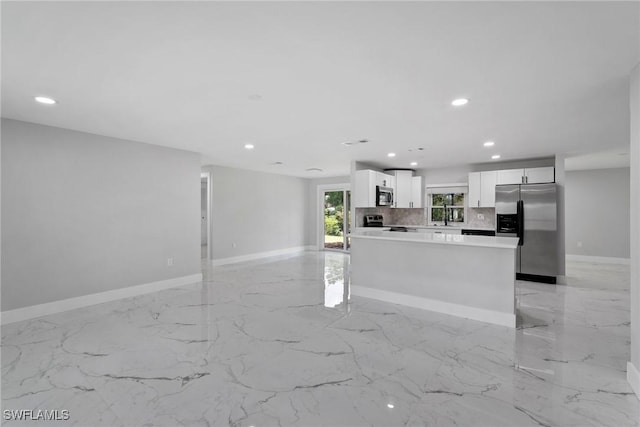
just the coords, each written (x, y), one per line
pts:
(205, 215)
(336, 219)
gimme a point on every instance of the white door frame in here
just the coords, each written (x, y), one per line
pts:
(207, 177)
(320, 209)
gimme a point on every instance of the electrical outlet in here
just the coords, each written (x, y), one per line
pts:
(169, 262)
(579, 244)
(481, 217)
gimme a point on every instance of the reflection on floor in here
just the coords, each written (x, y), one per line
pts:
(278, 342)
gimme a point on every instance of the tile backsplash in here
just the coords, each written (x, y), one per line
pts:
(418, 216)
(489, 220)
(401, 216)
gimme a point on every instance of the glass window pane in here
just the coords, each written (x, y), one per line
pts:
(458, 199)
(437, 214)
(448, 199)
(456, 214)
(437, 200)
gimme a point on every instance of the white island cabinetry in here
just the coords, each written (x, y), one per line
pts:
(466, 276)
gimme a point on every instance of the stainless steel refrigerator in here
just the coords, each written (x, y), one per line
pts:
(528, 211)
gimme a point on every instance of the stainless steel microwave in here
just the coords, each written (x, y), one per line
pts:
(384, 196)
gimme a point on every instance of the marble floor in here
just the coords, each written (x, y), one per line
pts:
(280, 343)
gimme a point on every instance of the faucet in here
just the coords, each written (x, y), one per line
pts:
(445, 215)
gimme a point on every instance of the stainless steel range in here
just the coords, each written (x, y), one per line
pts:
(373, 221)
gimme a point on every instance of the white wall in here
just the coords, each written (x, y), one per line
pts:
(634, 96)
(597, 212)
(255, 212)
(83, 213)
(561, 218)
(203, 212)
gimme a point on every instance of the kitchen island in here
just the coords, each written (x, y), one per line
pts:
(466, 276)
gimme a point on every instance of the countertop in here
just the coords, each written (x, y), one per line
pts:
(448, 239)
(441, 227)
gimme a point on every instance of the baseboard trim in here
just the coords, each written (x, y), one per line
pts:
(261, 255)
(34, 311)
(633, 378)
(598, 259)
(473, 313)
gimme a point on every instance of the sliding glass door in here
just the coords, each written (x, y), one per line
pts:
(337, 219)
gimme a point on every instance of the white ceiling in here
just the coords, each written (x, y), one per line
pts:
(542, 78)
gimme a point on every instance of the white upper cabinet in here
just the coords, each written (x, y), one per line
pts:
(474, 189)
(384, 180)
(510, 176)
(488, 189)
(417, 192)
(526, 176)
(482, 189)
(540, 175)
(403, 192)
(407, 189)
(364, 193)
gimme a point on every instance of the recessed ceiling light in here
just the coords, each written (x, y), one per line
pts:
(391, 155)
(277, 163)
(314, 170)
(390, 405)
(495, 156)
(350, 143)
(45, 100)
(623, 154)
(414, 163)
(249, 146)
(459, 102)
(255, 97)
(489, 144)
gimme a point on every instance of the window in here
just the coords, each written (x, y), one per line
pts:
(449, 204)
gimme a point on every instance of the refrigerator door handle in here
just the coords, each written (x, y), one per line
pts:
(520, 212)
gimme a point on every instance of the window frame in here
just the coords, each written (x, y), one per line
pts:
(430, 206)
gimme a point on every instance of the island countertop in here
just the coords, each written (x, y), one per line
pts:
(432, 238)
(441, 227)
